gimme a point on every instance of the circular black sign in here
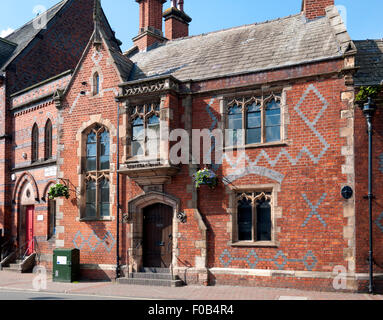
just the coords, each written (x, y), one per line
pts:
(347, 192)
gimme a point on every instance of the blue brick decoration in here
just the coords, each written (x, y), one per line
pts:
(379, 222)
(314, 209)
(80, 241)
(252, 259)
(381, 163)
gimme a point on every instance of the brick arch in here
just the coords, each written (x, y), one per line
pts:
(46, 190)
(25, 178)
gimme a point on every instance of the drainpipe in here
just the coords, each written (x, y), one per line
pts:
(369, 109)
(118, 193)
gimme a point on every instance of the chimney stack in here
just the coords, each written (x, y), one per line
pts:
(150, 31)
(176, 21)
(315, 8)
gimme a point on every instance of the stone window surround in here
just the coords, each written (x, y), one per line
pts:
(165, 114)
(266, 93)
(276, 213)
(81, 138)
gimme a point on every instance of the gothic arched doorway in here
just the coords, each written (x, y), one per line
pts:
(157, 236)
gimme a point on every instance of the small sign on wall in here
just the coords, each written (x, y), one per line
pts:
(50, 172)
(62, 261)
(40, 218)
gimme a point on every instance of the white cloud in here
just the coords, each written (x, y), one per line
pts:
(6, 32)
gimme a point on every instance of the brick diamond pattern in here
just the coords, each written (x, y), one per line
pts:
(252, 259)
(93, 241)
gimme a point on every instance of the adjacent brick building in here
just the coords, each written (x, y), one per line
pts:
(283, 92)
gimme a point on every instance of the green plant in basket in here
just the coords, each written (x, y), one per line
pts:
(206, 177)
(57, 191)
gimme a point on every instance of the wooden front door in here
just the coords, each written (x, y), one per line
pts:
(158, 236)
(30, 211)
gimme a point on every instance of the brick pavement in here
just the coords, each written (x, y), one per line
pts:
(16, 281)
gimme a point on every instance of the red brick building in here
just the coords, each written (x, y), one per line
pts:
(283, 94)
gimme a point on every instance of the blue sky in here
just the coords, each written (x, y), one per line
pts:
(364, 17)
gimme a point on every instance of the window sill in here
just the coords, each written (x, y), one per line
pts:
(95, 219)
(259, 145)
(268, 244)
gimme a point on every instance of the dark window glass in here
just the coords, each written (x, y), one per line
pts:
(35, 143)
(263, 220)
(48, 140)
(91, 152)
(245, 220)
(254, 124)
(104, 151)
(51, 218)
(91, 211)
(104, 198)
(235, 125)
(273, 121)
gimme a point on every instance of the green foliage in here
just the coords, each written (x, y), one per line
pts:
(57, 191)
(206, 177)
(367, 92)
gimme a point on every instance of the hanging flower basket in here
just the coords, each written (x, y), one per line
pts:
(57, 191)
(206, 177)
(365, 93)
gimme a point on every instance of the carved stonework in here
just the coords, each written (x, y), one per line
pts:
(157, 85)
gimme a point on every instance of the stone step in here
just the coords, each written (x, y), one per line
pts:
(15, 266)
(150, 275)
(156, 270)
(151, 282)
(11, 269)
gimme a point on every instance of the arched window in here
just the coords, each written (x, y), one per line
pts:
(48, 140)
(96, 84)
(35, 143)
(97, 166)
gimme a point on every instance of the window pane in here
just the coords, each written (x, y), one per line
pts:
(138, 129)
(90, 210)
(245, 220)
(273, 134)
(104, 151)
(253, 136)
(153, 136)
(104, 198)
(91, 164)
(90, 199)
(273, 122)
(91, 150)
(137, 148)
(105, 210)
(104, 186)
(254, 131)
(92, 138)
(263, 221)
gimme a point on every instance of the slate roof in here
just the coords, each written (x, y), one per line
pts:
(369, 59)
(25, 34)
(250, 48)
(6, 50)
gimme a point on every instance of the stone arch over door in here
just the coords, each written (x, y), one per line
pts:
(25, 178)
(135, 237)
